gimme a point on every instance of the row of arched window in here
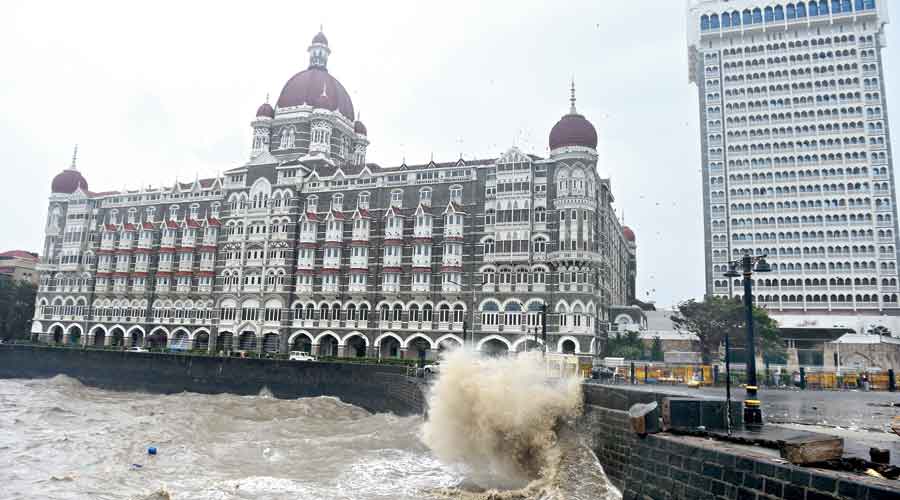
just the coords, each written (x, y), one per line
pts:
(834, 298)
(795, 174)
(794, 44)
(779, 13)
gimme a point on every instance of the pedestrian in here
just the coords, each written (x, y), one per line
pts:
(865, 382)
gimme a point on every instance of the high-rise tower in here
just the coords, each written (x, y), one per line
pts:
(796, 155)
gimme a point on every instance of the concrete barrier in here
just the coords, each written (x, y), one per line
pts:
(667, 466)
(377, 388)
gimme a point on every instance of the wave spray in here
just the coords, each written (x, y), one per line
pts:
(506, 424)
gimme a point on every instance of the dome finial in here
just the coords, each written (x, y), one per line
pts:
(74, 158)
(319, 51)
(572, 97)
(267, 98)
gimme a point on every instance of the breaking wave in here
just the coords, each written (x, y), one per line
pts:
(508, 427)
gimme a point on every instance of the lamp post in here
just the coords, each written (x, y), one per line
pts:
(752, 407)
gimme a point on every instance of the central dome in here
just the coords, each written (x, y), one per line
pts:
(317, 88)
(314, 86)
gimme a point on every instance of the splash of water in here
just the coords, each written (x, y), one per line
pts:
(504, 422)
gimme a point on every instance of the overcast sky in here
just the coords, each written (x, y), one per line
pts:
(156, 91)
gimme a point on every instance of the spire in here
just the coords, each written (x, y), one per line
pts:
(74, 158)
(267, 98)
(572, 98)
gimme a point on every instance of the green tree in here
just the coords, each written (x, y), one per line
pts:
(626, 345)
(714, 317)
(656, 350)
(16, 308)
(879, 330)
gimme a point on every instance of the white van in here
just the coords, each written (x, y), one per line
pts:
(301, 356)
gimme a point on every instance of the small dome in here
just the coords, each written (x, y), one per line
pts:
(573, 130)
(265, 111)
(68, 181)
(359, 128)
(320, 38)
(629, 234)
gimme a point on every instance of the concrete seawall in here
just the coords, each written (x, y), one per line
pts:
(667, 466)
(377, 388)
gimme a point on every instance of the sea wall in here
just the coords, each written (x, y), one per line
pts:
(377, 388)
(667, 466)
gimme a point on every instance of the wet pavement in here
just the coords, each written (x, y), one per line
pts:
(861, 418)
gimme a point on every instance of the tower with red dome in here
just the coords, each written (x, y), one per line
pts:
(69, 180)
(313, 117)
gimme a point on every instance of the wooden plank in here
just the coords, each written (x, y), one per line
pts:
(812, 448)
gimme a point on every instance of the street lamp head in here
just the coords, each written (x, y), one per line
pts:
(732, 270)
(762, 266)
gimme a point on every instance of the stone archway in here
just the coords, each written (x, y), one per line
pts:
(117, 338)
(74, 335)
(328, 346)
(302, 343)
(56, 334)
(355, 347)
(418, 349)
(529, 345)
(137, 338)
(158, 340)
(99, 337)
(389, 348)
(201, 341)
(224, 342)
(271, 342)
(247, 341)
(494, 348)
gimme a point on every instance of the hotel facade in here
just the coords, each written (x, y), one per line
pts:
(309, 247)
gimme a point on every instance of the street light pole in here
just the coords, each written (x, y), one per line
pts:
(752, 410)
(752, 405)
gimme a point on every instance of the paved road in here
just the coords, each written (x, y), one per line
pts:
(861, 418)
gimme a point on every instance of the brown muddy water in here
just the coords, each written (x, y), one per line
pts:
(62, 440)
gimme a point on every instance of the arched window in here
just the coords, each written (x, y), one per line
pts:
(540, 215)
(337, 202)
(425, 196)
(489, 247)
(456, 193)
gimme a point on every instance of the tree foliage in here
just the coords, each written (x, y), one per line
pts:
(626, 345)
(16, 308)
(656, 350)
(714, 317)
(879, 330)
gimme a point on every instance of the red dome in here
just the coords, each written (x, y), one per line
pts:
(359, 128)
(573, 130)
(629, 234)
(317, 88)
(265, 111)
(68, 181)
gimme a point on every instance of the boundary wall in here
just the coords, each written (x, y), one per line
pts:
(377, 388)
(668, 466)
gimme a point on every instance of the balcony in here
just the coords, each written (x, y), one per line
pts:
(304, 289)
(307, 237)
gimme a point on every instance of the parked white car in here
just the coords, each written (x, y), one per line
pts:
(301, 356)
(137, 349)
(432, 368)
